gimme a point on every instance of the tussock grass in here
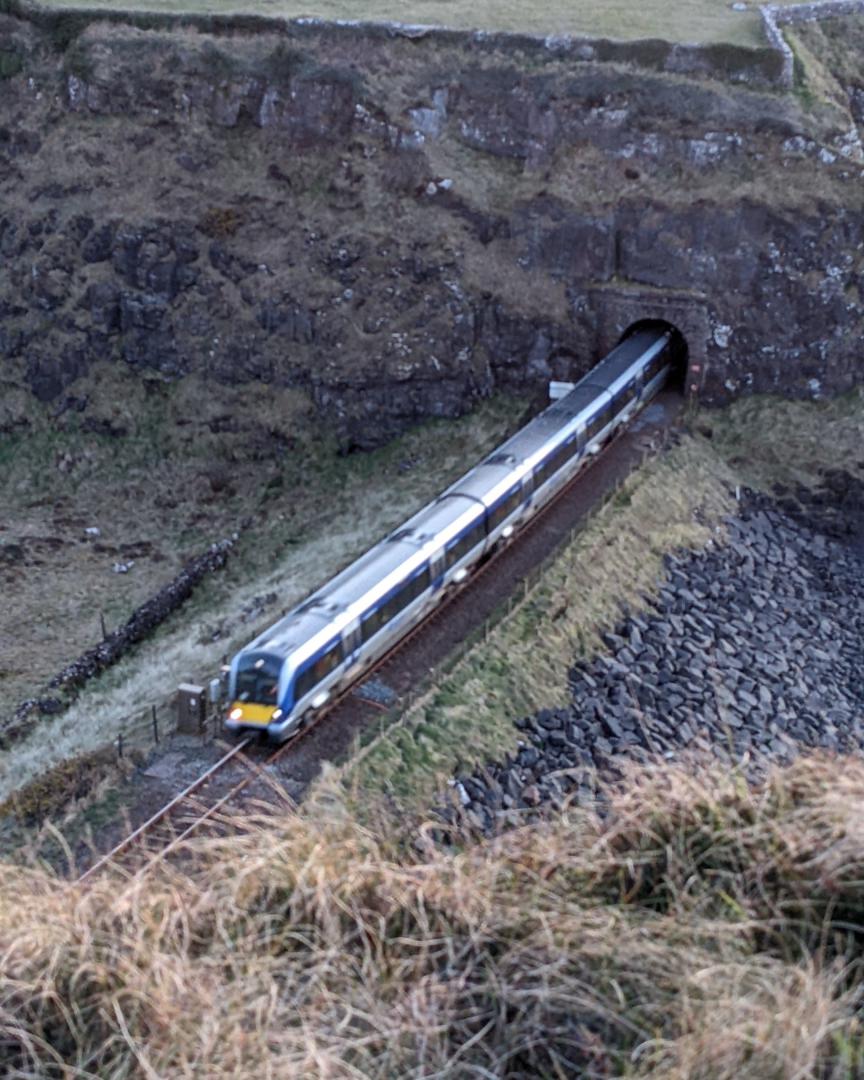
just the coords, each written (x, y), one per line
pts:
(773, 440)
(674, 501)
(656, 941)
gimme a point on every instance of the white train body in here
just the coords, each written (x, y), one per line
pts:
(296, 666)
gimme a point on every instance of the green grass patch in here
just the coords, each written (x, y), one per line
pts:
(691, 21)
(11, 63)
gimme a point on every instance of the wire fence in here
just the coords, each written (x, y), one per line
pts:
(151, 726)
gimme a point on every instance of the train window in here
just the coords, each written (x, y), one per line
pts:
(625, 396)
(371, 624)
(416, 586)
(464, 544)
(556, 461)
(375, 620)
(656, 366)
(259, 681)
(505, 508)
(606, 414)
(317, 672)
(567, 451)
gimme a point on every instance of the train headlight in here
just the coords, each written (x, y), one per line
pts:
(235, 714)
(276, 714)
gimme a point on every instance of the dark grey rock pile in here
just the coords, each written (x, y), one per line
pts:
(753, 650)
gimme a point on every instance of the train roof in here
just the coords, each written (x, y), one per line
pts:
(554, 423)
(334, 605)
(491, 478)
(634, 348)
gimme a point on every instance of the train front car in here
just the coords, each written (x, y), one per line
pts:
(280, 676)
(254, 690)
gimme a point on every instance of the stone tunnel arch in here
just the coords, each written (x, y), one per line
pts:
(618, 309)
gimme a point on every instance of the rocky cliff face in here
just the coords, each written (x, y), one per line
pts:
(399, 226)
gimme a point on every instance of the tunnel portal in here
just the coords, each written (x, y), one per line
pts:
(620, 311)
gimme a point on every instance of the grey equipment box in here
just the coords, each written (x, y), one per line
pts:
(191, 708)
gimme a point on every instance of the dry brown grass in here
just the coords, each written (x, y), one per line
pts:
(667, 939)
(772, 440)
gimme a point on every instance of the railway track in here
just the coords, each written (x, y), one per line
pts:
(206, 801)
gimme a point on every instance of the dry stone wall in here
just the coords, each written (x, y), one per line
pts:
(776, 15)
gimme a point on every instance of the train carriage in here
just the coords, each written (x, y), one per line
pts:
(294, 668)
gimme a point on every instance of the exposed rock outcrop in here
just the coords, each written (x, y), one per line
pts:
(397, 226)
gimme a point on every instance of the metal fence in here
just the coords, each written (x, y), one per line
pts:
(148, 727)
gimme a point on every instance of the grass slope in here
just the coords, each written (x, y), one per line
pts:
(677, 500)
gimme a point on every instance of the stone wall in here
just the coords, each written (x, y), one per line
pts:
(776, 15)
(754, 66)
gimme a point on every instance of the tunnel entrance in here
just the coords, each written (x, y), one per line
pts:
(619, 310)
(680, 351)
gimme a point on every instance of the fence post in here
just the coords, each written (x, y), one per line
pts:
(120, 745)
(102, 624)
(155, 724)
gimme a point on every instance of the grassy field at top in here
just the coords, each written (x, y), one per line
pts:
(691, 21)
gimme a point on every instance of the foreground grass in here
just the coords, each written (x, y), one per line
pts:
(694, 21)
(697, 929)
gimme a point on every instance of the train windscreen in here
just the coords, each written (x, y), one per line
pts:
(258, 680)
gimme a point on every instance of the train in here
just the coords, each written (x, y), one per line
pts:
(291, 671)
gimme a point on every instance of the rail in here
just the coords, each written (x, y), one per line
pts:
(167, 843)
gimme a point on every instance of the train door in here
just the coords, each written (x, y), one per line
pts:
(527, 488)
(352, 639)
(437, 566)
